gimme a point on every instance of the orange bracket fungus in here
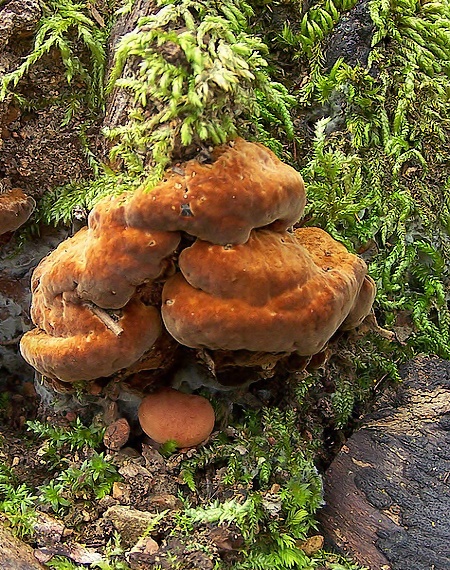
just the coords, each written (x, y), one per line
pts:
(279, 292)
(15, 209)
(245, 187)
(211, 250)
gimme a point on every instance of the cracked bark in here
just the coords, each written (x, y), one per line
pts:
(387, 492)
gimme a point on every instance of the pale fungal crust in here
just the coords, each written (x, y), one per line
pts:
(72, 344)
(15, 209)
(279, 292)
(246, 187)
(170, 415)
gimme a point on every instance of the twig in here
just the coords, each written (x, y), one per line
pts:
(106, 319)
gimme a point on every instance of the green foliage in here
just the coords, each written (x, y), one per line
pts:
(61, 563)
(67, 26)
(168, 448)
(379, 182)
(76, 483)
(195, 73)
(77, 437)
(61, 205)
(53, 494)
(317, 22)
(422, 29)
(343, 402)
(338, 200)
(92, 480)
(16, 502)
(279, 489)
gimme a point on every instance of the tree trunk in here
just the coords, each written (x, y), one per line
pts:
(387, 492)
(119, 101)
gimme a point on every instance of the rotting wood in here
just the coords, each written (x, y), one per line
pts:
(387, 492)
(15, 554)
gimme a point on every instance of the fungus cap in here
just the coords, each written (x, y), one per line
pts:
(73, 344)
(170, 415)
(15, 209)
(279, 292)
(106, 266)
(246, 187)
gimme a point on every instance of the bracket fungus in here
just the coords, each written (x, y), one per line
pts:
(15, 209)
(75, 343)
(247, 286)
(279, 292)
(245, 187)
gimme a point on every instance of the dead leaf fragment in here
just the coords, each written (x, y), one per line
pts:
(311, 545)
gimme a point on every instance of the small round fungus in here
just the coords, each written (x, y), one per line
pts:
(170, 415)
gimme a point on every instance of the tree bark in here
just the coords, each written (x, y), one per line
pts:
(387, 492)
(15, 554)
(120, 100)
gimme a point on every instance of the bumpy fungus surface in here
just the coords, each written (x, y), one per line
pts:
(15, 209)
(72, 344)
(246, 285)
(103, 267)
(279, 292)
(131, 240)
(245, 187)
(169, 414)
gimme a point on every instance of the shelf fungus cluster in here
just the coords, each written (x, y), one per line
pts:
(206, 259)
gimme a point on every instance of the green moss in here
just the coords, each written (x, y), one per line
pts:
(197, 76)
(69, 29)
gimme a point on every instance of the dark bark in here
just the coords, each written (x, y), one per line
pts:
(120, 100)
(387, 492)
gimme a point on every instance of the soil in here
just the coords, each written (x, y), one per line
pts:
(36, 153)
(150, 483)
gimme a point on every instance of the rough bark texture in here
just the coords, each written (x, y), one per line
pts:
(15, 554)
(120, 100)
(387, 492)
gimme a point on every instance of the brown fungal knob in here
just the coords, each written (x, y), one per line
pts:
(15, 209)
(279, 292)
(170, 415)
